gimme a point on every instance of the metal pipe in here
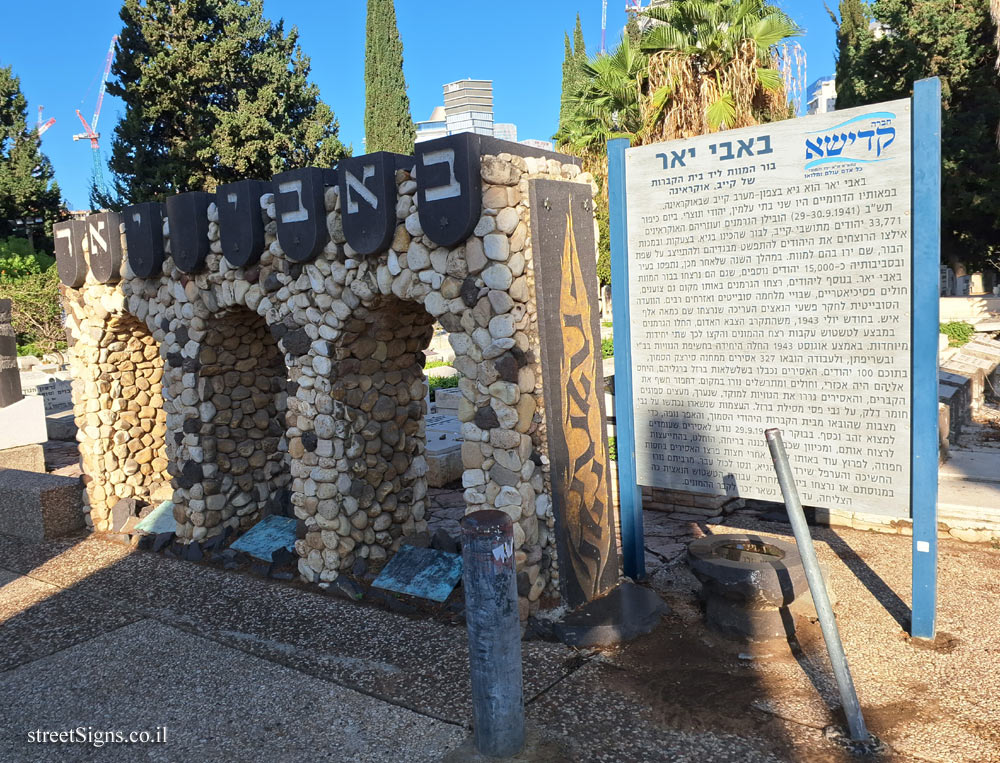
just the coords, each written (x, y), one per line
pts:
(817, 587)
(491, 616)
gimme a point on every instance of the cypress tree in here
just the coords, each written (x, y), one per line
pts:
(567, 77)
(213, 93)
(27, 189)
(388, 124)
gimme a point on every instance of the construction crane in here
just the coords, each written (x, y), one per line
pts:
(604, 25)
(90, 130)
(42, 127)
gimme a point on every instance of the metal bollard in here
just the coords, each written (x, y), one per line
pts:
(817, 587)
(489, 580)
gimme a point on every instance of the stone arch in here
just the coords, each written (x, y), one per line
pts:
(357, 437)
(230, 457)
(122, 427)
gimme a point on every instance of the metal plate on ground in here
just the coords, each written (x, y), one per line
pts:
(159, 520)
(267, 536)
(424, 572)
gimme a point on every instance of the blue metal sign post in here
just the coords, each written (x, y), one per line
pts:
(630, 497)
(926, 253)
(924, 424)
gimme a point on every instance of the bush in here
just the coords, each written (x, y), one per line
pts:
(37, 311)
(608, 347)
(613, 448)
(442, 382)
(18, 259)
(958, 332)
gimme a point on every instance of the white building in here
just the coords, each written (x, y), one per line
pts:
(822, 96)
(468, 106)
(505, 131)
(435, 127)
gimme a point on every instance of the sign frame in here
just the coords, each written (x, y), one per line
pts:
(925, 270)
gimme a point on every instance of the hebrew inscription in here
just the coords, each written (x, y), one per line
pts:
(769, 278)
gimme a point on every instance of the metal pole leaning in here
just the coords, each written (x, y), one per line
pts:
(491, 616)
(817, 587)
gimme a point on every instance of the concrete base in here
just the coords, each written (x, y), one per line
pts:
(38, 507)
(23, 423)
(627, 612)
(27, 458)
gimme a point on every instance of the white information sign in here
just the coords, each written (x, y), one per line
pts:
(770, 286)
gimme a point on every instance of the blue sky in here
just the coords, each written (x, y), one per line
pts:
(57, 47)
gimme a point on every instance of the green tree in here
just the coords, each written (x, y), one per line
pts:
(567, 80)
(956, 42)
(27, 189)
(853, 39)
(574, 77)
(388, 124)
(213, 93)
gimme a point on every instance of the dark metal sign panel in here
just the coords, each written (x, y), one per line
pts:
(188, 215)
(70, 262)
(241, 227)
(562, 223)
(301, 210)
(144, 238)
(449, 187)
(104, 236)
(368, 201)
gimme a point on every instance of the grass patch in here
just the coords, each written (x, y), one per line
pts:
(435, 364)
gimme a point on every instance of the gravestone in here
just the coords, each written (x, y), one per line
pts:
(10, 378)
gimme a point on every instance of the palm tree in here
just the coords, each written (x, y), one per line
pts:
(713, 65)
(606, 105)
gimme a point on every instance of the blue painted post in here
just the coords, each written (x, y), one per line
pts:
(925, 327)
(630, 496)
(491, 618)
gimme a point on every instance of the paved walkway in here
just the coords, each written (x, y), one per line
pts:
(237, 667)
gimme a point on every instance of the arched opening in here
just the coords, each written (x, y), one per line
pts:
(363, 451)
(124, 427)
(235, 470)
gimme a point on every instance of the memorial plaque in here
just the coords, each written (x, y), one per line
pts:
(241, 226)
(449, 187)
(144, 238)
(104, 237)
(368, 200)
(301, 209)
(572, 375)
(188, 215)
(70, 262)
(770, 286)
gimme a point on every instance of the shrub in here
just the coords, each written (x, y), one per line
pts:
(37, 311)
(607, 347)
(958, 332)
(18, 259)
(442, 382)
(613, 448)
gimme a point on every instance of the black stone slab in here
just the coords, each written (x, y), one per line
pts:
(449, 187)
(10, 377)
(301, 210)
(188, 215)
(144, 237)
(104, 237)
(241, 226)
(70, 262)
(562, 229)
(368, 200)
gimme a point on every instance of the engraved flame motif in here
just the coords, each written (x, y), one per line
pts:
(588, 516)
